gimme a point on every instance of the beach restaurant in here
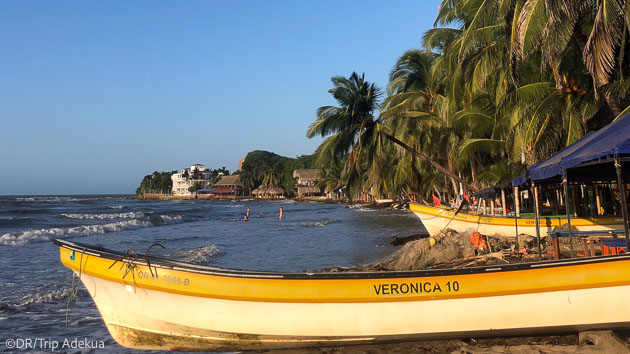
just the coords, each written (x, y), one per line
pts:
(599, 161)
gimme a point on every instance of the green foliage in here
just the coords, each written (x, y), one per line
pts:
(499, 83)
(157, 182)
(195, 187)
(264, 167)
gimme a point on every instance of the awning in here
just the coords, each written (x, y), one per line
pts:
(491, 192)
(204, 190)
(222, 191)
(611, 140)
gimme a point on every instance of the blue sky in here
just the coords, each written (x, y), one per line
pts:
(95, 95)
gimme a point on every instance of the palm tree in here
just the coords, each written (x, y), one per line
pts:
(352, 129)
(247, 180)
(595, 31)
(266, 175)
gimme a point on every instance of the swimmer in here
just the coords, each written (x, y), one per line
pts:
(280, 217)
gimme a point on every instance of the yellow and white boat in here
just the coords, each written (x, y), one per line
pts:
(155, 303)
(435, 219)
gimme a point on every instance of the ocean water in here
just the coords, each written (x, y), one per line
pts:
(34, 286)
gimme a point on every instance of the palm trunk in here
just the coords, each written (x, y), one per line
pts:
(455, 189)
(473, 170)
(427, 159)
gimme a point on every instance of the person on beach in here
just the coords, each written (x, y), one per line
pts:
(280, 217)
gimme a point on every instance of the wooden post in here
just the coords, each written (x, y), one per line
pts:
(517, 202)
(622, 196)
(503, 202)
(598, 200)
(492, 206)
(574, 201)
(556, 247)
(537, 218)
(565, 183)
(516, 215)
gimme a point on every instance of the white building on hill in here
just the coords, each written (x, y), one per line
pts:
(188, 177)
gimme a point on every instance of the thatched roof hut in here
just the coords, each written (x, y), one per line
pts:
(275, 191)
(229, 185)
(260, 191)
(268, 192)
(307, 182)
(229, 181)
(306, 174)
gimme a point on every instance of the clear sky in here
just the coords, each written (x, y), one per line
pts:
(97, 94)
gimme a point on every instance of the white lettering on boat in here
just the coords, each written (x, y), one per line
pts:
(415, 288)
(164, 278)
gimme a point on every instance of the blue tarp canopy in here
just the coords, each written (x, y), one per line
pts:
(610, 140)
(205, 190)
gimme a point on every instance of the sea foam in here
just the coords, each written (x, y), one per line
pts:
(130, 215)
(24, 237)
(198, 255)
(319, 223)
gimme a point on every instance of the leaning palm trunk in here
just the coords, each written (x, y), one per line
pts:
(427, 159)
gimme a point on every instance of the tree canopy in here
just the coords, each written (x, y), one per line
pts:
(498, 85)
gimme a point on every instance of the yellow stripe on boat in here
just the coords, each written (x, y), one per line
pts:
(490, 283)
(436, 219)
(179, 306)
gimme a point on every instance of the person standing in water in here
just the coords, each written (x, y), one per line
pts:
(280, 217)
(247, 213)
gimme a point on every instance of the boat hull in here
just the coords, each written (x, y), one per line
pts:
(175, 306)
(150, 319)
(437, 219)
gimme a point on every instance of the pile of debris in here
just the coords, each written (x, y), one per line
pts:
(450, 249)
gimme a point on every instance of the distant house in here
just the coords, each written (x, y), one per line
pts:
(228, 185)
(197, 174)
(307, 182)
(268, 192)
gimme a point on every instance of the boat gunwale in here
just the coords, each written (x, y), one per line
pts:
(166, 263)
(547, 218)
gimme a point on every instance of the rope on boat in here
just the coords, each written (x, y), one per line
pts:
(146, 254)
(130, 266)
(75, 286)
(461, 206)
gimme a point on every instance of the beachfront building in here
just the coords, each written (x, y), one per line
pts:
(264, 192)
(197, 174)
(228, 186)
(306, 182)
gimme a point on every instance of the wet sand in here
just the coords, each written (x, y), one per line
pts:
(587, 342)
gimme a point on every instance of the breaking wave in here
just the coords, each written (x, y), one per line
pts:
(130, 215)
(360, 207)
(56, 199)
(24, 237)
(320, 223)
(118, 207)
(47, 297)
(198, 255)
(44, 297)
